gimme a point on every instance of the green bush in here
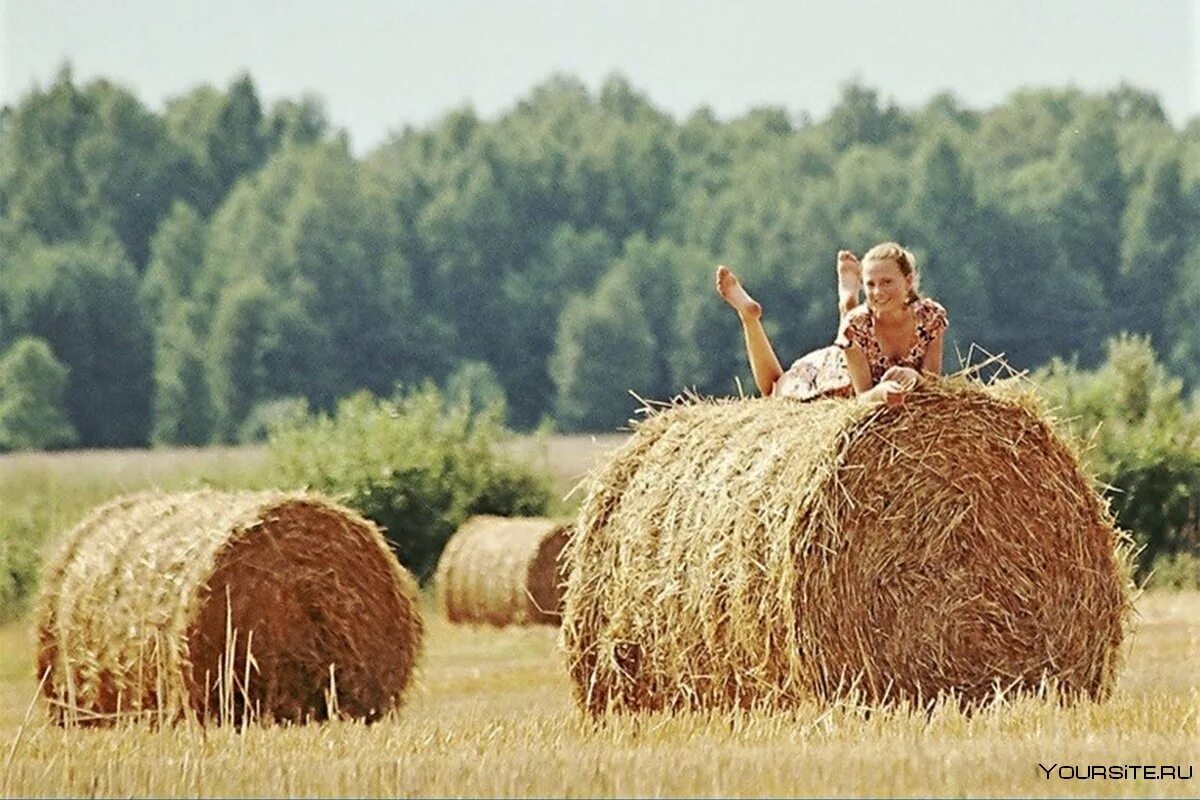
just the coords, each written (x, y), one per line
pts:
(32, 383)
(1139, 437)
(475, 384)
(271, 414)
(414, 464)
(20, 565)
(1178, 571)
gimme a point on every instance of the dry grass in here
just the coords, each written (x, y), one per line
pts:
(568, 457)
(491, 715)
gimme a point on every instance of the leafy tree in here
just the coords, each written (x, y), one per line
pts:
(224, 138)
(943, 216)
(1131, 103)
(183, 407)
(474, 384)
(624, 180)
(1153, 247)
(128, 167)
(605, 349)
(571, 262)
(1024, 130)
(702, 152)
(659, 274)
(43, 190)
(272, 415)
(1045, 301)
(176, 258)
(1183, 334)
(470, 231)
(191, 122)
(945, 110)
(32, 383)
(73, 161)
(1091, 195)
(858, 118)
(239, 144)
(82, 299)
(619, 99)
(942, 197)
(709, 354)
(872, 186)
(413, 168)
(236, 354)
(293, 122)
(331, 300)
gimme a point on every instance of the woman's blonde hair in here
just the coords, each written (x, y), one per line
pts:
(904, 259)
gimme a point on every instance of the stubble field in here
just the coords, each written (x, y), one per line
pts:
(491, 712)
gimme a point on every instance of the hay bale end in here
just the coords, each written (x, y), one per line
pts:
(503, 571)
(222, 605)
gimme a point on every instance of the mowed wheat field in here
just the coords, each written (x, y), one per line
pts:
(491, 712)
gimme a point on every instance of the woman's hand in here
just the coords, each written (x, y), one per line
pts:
(905, 376)
(886, 391)
(895, 384)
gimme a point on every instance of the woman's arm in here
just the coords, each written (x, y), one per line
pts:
(886, 391)
(859, 369)
(932, 363)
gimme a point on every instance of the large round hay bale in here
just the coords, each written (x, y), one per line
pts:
(760, 552)
(154, 601)
(503, 571)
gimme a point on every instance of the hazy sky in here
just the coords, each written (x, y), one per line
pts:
(381, 65)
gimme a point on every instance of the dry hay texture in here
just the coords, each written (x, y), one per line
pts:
(503, 571)
(758, 552)
(154, 599)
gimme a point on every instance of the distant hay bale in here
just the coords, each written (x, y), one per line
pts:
(154, 600)
(503, 571)
(755, 553)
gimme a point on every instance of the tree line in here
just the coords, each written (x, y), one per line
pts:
(188, 276)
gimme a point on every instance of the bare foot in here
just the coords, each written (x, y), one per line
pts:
(733, 293)
(849, 272)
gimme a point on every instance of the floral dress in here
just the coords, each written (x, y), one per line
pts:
(823, 373)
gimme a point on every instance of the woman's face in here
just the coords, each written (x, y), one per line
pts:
(887, 287)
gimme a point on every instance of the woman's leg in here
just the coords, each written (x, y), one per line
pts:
(849, 272)
(763, 361)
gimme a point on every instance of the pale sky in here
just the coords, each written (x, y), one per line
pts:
(380, 65)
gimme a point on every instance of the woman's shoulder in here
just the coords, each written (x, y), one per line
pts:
(858, 316)
(928, 305)
(931, 316)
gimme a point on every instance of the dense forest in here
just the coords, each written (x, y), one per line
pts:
(184, 277)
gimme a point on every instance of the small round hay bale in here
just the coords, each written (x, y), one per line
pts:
(503, 571)
(756, 553)
(155, 599)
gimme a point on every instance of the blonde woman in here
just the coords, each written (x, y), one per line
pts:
(882, 349)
